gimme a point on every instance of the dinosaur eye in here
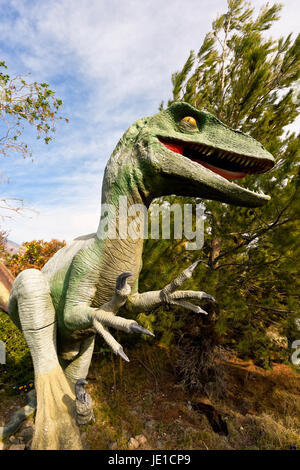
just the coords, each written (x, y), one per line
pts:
(189, 122)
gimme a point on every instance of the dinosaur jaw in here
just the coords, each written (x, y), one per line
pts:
(229, 165)
(199, 170)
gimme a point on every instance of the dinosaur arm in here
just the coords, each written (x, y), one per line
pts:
(80, 316)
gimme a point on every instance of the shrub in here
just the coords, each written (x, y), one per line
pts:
(34, 254)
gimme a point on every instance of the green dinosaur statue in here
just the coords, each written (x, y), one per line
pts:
(180, 150)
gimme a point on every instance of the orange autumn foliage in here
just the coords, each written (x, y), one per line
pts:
(34, 254)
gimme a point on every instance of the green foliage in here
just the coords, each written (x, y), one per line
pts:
(250, 82)
(24, 102)
(18, 370)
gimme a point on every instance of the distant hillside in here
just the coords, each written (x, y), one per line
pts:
(12, 246)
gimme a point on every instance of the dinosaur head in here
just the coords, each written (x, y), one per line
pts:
(191, 153)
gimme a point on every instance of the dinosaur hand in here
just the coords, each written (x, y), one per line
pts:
(170, 295)
(106, 317)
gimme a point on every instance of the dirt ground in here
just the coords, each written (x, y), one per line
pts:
(142, 405)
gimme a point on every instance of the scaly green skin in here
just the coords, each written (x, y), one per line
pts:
(82, 276)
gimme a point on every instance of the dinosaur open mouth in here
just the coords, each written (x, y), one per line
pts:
(230, 165)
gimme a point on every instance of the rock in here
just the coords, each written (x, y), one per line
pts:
(17, 447)
(113, 445)
(26, 433)
(141, 439)
(133, 443)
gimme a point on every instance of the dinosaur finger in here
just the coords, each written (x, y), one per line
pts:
(109, 339)
(189, 306)
(122, 291)
(122, 354)
(121, 280)
(179, 280)
(135, 328)
(120, 323)
(191, 294)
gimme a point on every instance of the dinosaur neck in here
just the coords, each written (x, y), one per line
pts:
(121, 226)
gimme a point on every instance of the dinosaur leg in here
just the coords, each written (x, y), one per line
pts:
(79, 367)
(55, 425)
(169, 295)
(76, 372)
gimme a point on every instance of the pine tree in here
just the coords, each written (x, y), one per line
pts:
(250, 81)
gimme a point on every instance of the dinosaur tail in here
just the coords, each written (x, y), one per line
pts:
(6, 282)
(30, 307)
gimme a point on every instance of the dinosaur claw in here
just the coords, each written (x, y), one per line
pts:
(121, 280)
(194, 265)
(135, 328)
(79, 390)
(208, 297)
(121, 353)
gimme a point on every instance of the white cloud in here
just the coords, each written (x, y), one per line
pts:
(111, 62)
(62, 223)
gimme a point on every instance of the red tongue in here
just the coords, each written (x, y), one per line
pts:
(178, 148)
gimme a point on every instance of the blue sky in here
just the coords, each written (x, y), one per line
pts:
(111, 63)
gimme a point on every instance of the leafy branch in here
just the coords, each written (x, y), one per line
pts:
(24, 102)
